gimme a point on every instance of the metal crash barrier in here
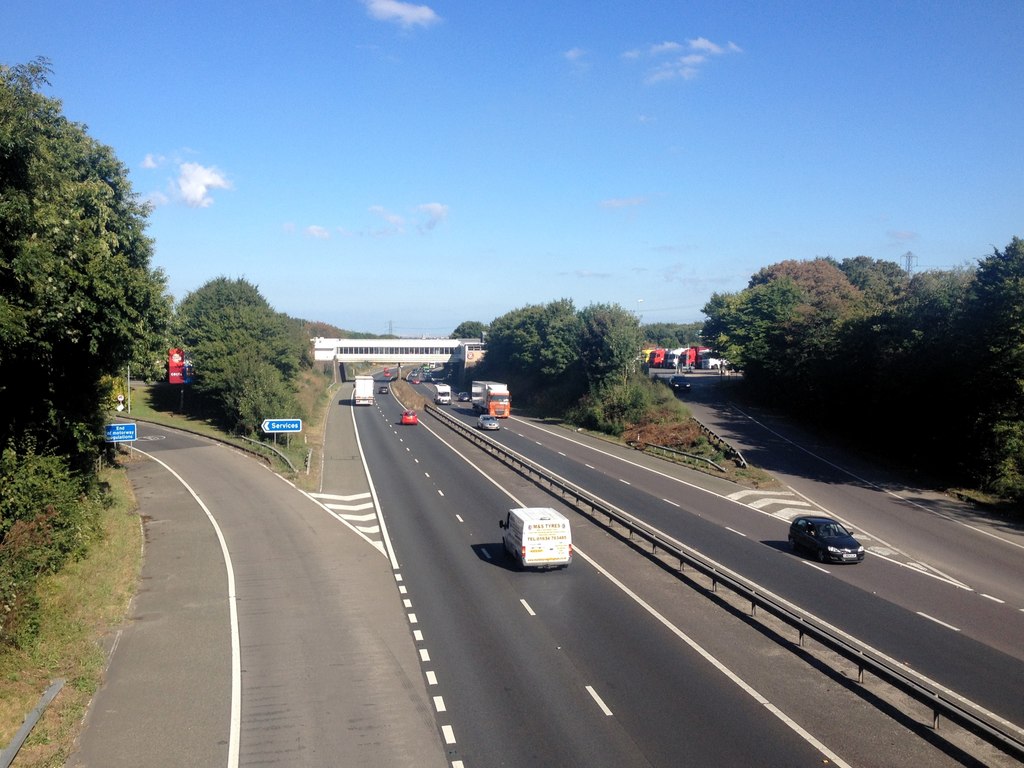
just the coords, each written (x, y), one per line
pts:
(943, 702)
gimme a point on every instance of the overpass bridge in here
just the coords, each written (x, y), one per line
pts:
(399, 351)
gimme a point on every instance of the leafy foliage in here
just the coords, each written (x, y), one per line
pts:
(47, 517)
(244, 354)
(78, 299)
(862, 346)
(470, 329)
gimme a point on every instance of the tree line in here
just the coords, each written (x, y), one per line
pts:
(926, 368)
(81, 309)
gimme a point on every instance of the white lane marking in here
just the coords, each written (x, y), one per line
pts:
(526, 605)
(625, 482)
(439, 704)
(599, 700)
(695, 487)
(738, 533)
(424, 654)
(459, 518)
(743, 685)
(669, 501)
(762, 503)
(340, 497)
(389, 550)
(878, 487)
(993, 598)
(235, 727)
(407, 603)
(413, 618)
(448, 733)
(431, 677)
(938, 621)
(417, 635)
(815, 566)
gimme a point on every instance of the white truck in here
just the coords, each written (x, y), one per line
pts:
(443, 395)
(362, 393)
(537, 537)
(491, 397)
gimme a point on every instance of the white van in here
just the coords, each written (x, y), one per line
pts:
(443, 395)
(537, 537)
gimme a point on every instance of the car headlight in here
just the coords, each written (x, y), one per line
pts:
(836, 550)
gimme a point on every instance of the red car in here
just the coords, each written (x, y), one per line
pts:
(410, 417)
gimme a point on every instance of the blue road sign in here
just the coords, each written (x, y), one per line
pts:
(120, 433)
(282, 425)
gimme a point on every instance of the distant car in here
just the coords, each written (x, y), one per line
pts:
(826, 539)
(464, 397)
(486, 421)
(414, 380)
(383, 389)
(679, 382)
(410, 417)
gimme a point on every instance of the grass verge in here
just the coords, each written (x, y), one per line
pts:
(79, 607)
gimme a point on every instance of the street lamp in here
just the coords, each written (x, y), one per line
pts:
(638, 303)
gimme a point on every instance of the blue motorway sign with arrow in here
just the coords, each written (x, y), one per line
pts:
(281, 425)
(120, 433)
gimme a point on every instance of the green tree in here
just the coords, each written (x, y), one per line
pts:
(245, 355)
(78, 298)
(997, 324)
(470, 329)
(609, 343)
(535, 348)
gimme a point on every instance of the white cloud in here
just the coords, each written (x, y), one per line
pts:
(151, 161)
(435, 213)
(195, 182)
(686, 60)
(623, 202)
(320, 233)
(668, 46)
(404, 14)
(396, 224)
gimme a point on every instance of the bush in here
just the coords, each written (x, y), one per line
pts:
(47, 518)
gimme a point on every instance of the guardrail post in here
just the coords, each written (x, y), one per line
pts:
(753, 608)
(800, 638)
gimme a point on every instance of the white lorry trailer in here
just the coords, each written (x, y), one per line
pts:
(537, 537)
(443, 395)
(491, 397)
(362, 394)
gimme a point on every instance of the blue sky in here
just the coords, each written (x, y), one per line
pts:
(390, 166)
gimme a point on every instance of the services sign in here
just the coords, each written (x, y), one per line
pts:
(281, 425)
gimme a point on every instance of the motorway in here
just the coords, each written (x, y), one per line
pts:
(378, 622)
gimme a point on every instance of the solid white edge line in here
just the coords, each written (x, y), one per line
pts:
(733, 677)
(389, 549)
(235, 728)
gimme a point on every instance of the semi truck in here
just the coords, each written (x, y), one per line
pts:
(537, 537)
(443, 395)
(491, 397)
(362, 394)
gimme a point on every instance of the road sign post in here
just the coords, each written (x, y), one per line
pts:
(273, 426)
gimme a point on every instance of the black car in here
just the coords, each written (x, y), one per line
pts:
(383, 389)
(826, 539)
(678, 382)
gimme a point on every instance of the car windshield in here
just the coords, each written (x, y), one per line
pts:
(830, 530)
